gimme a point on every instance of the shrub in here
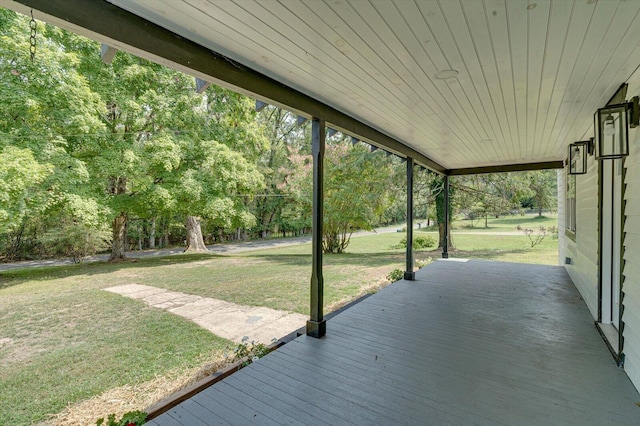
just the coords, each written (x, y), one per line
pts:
(395, 275)
(419, 242)
(132, 418)
(77, 241)
(247, 353)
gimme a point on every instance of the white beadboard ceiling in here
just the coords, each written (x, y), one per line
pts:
(530, 74)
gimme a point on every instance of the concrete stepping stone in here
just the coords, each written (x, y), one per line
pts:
(225, 319)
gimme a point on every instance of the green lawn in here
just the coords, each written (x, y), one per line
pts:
(507, 223)
(63, 339)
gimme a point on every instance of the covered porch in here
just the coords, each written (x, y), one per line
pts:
(467, 342)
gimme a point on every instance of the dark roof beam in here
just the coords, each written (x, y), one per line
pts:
(507, 168)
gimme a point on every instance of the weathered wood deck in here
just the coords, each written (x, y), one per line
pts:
(479, 342)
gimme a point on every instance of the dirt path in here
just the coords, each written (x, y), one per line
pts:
(227, 320)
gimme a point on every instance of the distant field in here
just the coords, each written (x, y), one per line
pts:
(63, 339)
(507, 223)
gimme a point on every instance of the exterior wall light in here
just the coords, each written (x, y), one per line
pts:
(612, 129)
(578, 157)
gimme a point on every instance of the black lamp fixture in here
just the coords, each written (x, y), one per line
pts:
(578, 157)
(612, 129)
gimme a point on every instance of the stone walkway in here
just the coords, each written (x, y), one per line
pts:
(227, 320)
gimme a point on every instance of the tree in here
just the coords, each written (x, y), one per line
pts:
(492, 194)
(439, 194)
(214, 184)
(542, 184)
(356, 191)
(20, 175)
(285, 137)
(44, 105)
(164, 141)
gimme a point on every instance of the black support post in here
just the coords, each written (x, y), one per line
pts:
(445, 243)
(408, 273)
(316, 326)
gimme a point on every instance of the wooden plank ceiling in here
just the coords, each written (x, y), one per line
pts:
(467, 83)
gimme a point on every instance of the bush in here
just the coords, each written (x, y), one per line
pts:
(132, 418)
(419, 242)
(76, 241)
(395, 275)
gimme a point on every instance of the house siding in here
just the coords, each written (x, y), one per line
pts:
(631, 271)
(562, 194)
(583, 252)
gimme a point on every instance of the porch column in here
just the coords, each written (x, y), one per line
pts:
(408, 273)
(316, 326)
(445, 243)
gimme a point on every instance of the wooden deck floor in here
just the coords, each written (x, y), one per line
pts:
(474, 342)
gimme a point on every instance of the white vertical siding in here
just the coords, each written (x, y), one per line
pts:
(584, 250)
(631, 271)
(562, 194)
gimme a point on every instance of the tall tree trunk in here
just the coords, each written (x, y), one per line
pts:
(117, 186)
(152, 234)
(450, 246)
(118, 241)
(440, 215)
(195, 242)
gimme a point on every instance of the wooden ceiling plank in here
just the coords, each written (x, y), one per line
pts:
(353, 88)
(447, 21)
(518, 34)
(419, 40)
(574, 40)
(352, 30)
(275, 69)
(556, 47)
(603, 13)
(355, 31)
(615, 50)
(475, 14)
(367, 41)
(447, 114)
(499, 34)
(462, 87)
(538, 21)
(614, 45)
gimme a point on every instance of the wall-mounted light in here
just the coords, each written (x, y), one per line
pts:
(578, 157)
(612, 129)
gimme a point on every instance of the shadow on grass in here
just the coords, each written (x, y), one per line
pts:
(18, 276)
(488, 254)
(360, 259)
(42, 273)
(518, 220)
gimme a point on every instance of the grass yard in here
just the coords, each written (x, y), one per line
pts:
(507, 223)
(63, 339)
